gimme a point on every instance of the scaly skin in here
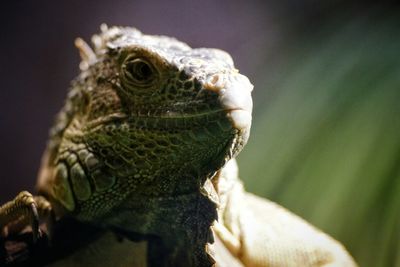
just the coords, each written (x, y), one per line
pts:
(262, 234)
(145, 126)
(145, 144)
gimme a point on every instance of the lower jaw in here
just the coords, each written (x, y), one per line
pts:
(240, 119)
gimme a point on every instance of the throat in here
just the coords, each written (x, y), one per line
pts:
(181, 225)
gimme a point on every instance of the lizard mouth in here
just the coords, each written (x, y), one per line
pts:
(234, 94)
(168, 115)
(240, 119)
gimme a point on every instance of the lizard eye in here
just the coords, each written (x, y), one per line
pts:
(139, 72)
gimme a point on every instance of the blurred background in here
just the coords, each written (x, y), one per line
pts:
(325, 140)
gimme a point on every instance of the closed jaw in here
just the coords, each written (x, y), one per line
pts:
(234, 92)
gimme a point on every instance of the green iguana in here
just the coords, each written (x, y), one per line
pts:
(146, 144)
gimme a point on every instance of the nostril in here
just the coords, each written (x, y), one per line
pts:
(214, 79)
(215, 83)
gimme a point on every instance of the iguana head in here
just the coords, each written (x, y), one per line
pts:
(148, 116)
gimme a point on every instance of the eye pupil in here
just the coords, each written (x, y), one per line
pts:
(139, 70)
(143, 71)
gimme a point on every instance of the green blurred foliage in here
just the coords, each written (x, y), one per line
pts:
(325, 141)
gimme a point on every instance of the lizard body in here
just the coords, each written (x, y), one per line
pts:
(145, 144)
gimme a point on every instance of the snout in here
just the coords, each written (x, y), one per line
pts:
(234, 92)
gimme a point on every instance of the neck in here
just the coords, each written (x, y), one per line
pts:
(182, 223)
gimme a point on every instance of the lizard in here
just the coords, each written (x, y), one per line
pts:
(146, 143)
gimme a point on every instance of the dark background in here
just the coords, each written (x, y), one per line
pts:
(325, 140)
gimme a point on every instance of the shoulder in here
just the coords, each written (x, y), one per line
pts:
(272, 234)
